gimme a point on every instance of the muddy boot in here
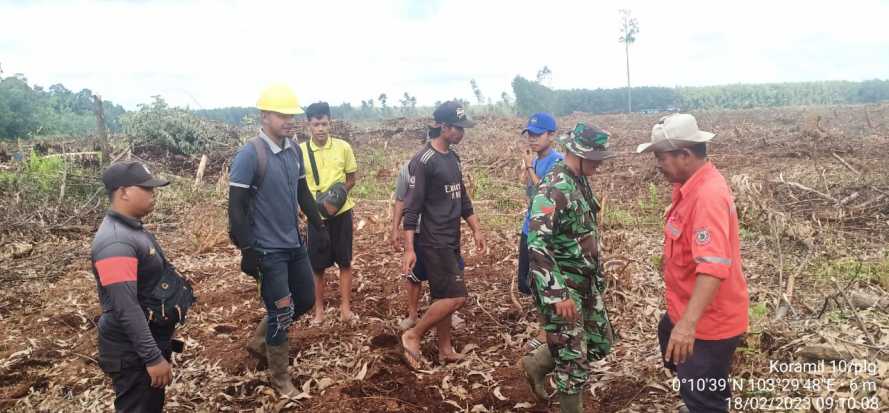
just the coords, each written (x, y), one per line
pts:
(536, 365)
(279, 360)
(256, 345)
(571, 403)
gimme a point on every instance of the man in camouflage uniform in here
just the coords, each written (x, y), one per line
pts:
(566, 271)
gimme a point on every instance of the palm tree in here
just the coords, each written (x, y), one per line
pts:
(628, 30)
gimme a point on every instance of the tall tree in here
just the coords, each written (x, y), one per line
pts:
(477, 92)
(408, 105)
(545, 76)
(383, 105)
(629, 28)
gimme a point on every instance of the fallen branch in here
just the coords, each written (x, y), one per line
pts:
(804, 188)
(861, 325)
(846, 164)
(200, 174)
(512, 296)
(787, 297)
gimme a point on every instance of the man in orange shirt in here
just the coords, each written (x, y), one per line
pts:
(706, 293)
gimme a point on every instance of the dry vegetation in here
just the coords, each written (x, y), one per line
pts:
(811, 186)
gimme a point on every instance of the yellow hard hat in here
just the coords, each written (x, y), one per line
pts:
(279, 98)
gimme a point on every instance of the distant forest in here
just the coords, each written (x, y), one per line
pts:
(31, 111)
(532, 96)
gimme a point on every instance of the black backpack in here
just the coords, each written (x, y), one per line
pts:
(167, 304)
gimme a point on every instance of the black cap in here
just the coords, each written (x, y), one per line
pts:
(130, 173)
(452, 113)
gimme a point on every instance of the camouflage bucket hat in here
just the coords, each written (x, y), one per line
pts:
(588, 142)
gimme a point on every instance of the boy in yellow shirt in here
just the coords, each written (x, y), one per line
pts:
(330, 172)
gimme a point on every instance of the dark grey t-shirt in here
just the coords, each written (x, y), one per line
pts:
(127, 263)
(436, 192)
(275, 210)
(401, 186)
(402, 182)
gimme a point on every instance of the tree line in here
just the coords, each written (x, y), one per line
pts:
(533, 96)
(27, 111)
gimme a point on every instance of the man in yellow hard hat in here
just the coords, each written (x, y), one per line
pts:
(267, 190)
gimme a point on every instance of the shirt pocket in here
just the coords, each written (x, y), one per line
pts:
(675, 250)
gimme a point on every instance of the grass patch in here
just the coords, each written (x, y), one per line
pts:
(847, 268)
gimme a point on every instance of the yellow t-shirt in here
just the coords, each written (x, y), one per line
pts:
(334, 160)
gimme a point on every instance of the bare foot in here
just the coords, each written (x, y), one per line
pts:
(318, 319)
(456, 321)
(410, 341)
(347, 315)
(407, 323)
(451, 356)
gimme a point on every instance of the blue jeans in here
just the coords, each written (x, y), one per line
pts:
(288, 289)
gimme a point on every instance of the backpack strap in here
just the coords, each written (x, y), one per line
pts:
(262, 162)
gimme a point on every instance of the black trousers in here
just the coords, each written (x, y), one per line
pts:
(133, 391)
(524, 267)
(710, 359)
(130, 379)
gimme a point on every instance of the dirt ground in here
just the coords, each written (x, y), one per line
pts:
(810, 183)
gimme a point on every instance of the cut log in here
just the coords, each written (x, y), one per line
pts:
(824, 352)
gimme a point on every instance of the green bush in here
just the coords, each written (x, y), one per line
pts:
(177, 130)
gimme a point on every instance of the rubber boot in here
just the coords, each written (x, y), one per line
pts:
(279, 360)
(256, 344)
(536, 365)
(571, 403)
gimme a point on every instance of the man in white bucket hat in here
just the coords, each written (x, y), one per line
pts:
(706, 293)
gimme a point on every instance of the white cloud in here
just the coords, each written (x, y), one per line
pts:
(212, 54)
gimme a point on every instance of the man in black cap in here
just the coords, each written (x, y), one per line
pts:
(128, 264)
(436, 192)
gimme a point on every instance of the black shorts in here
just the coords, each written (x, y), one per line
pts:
(339, 252)
(444, 272)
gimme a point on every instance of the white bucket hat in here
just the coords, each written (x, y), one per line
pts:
(676, 131)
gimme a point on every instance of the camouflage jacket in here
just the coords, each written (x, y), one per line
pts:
(563, 241)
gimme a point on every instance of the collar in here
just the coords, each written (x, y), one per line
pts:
(272, 145)
(327, 145)
(696, 179)
(128, 221)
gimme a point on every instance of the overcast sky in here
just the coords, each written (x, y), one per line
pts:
(221, 53)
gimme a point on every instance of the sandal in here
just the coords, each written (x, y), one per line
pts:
(414, 360)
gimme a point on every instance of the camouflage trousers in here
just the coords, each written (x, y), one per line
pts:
(574, 345)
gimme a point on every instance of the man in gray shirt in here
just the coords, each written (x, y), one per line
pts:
(128, 263)
(267, 189)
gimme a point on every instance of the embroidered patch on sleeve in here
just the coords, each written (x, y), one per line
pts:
(702, 236)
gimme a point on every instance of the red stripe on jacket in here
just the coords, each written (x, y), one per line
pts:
(115, 270)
